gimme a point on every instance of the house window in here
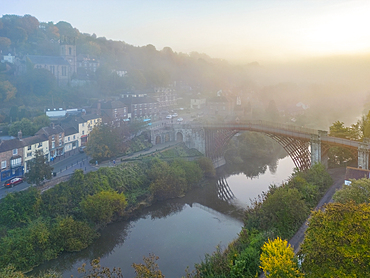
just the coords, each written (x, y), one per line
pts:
(16, 162)
(40, 145)
(29, 147)
(15, 151)
(52, 138)
(3, 164)
(60, 135)
(52, 145)
(52, 69)
(83, 132)
(74, 137)
(64, 71)
(69, 138)
(60, 143)
(29, 154)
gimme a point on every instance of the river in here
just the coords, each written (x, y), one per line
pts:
(180, 231)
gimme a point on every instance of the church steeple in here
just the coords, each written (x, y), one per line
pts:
(68, 52)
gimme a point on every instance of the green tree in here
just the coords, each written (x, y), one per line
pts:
(102, 207)
(278, 261)
(337, 241)
(24, 125)
(207, 166)
(103, 142)
(41, 121)
(358, 191)
(39, 170)
(7, 91)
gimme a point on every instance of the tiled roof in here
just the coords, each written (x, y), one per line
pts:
(90, 117)
(34, 139)
(69, 131)
(50, 130)
(11, 144)
(48, 60)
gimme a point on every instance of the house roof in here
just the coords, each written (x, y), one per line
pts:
(356, 173)
(56, 129)
(47, 60)
(88, 117)
(11, 144)
(34, 139)
(70, 131)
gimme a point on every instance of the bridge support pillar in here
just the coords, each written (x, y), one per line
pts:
(363, 156)
(315, 149)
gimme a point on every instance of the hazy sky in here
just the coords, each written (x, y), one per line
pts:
(248, 30)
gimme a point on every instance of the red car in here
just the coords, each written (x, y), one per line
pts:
(13, 181)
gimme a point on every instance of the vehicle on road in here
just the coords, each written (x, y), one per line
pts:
(13, 181)
(169, 117)
(180, 119)
(174, 115)
(82, 149)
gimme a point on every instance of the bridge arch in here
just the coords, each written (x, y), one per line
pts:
(179, 137)
(158, 140)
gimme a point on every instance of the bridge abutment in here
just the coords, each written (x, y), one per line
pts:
(363, 155)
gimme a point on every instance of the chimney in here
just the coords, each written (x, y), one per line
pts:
(20, 135)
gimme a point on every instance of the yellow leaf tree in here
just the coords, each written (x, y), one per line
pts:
(278, 261)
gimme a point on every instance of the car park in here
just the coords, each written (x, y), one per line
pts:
(13, 181)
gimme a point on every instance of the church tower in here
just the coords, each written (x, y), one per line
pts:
(68, 52)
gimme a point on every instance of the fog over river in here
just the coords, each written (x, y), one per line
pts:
(180, 231)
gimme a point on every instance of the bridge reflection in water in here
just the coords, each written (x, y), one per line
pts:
(224, 192)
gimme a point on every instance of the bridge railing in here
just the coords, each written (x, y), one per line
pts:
(261, 123)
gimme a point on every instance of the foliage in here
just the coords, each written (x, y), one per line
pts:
(10, 272)
(358, 191)
(24, 125)
(103, 143)
(7, 91)
(337, 240)
(149, 269)
(71, 235)
(277, 260)
(19, 208)
(207, 166)
(103, 206)
(39, 170)
(98, 271)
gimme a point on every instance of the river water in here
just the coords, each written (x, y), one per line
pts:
(179, 231)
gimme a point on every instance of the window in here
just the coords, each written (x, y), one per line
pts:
(60, 143)
(53, 138)
(29, 154)
(74, 137)
(69, 138)
(40, 145)
(3, 164)
(83, 132)
(29, 147)
(60, 135)
(64, 71)
(52, 145)
(15, 151)
(52, 69)
(16, 162)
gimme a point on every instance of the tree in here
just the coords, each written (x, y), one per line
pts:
(358, 191)
(337, 241)
(7, 91)
(149, 269)
(103, 143)
(39, 170)
(278, 261)
(103, 206)
(24, 125)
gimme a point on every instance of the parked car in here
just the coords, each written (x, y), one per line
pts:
(13, 181)
(180, 119)
(169, 117)
(174, 115)
(82, 149)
